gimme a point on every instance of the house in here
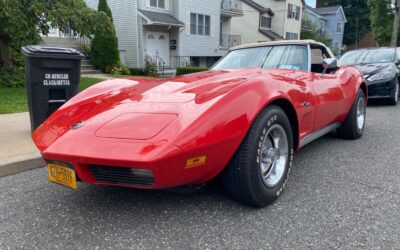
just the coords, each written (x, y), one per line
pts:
(268, 20)
(173, 32)
(311, 21)
(331, 20)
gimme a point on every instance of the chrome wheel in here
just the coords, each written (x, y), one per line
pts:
(274, 155)
(361, 113)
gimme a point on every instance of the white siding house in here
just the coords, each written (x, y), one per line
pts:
(125, 26)
(266, 20)
(173, 32)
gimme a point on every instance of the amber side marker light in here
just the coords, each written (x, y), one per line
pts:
(196, 161)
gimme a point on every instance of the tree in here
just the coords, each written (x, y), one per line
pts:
(105, 51)
(357, 15)
(21, 22)
(381, 20)
(314, 33)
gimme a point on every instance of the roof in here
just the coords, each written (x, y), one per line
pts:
(327, 10)
(271, 34)
(312, 10)
(259, 7)
(160, 18)
(283, 42)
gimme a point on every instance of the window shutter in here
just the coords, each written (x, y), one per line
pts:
(147, 3)
(212, 27)
(289, 13)
(187, 23)
(297, 13)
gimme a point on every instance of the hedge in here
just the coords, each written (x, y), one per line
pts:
(188, 70)
(138, 72)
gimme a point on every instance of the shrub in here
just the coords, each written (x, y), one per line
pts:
(138, 72)
(125, 70)
(104, 49)
(151, 68)
(12, 78)
(188, 70)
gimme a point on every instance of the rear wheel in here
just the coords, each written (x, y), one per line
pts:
(259, 170)
(353, 126)
(396, 91)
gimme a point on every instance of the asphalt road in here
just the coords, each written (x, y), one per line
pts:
(341, 194)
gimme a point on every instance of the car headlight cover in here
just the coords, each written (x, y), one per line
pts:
(387, 74)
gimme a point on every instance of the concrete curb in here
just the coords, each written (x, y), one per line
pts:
(20, 164)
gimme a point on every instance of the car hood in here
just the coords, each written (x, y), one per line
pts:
(112, 108)
(373, 68)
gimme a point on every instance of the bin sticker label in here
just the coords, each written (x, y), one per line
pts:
(56, 80)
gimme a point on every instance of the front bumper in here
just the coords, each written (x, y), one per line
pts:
(381, 89)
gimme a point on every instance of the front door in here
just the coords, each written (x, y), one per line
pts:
(157, 45)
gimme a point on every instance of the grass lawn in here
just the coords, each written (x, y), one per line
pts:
(14, 100)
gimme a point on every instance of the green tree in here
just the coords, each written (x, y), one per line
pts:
(381, 20)
(357, 15)
(105, 51)
(21, 21)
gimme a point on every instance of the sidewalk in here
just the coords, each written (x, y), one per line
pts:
(17, 151)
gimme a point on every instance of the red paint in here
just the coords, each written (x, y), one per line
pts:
(159, 125)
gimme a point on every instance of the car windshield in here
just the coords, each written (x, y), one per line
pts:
(270, 57)
(351, 57)
(379, 56)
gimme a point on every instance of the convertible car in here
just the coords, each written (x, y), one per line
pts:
(380, 67)
(242, 120)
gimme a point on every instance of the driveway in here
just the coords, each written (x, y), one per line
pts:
(341, 194)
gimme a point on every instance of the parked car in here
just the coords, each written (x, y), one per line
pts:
(242, 120)
(380, 67)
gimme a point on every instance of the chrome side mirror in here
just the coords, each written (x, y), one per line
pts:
(329, 63)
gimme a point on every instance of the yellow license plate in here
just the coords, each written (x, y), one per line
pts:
(62, 175)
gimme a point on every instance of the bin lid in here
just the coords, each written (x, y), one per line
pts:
(40, 51)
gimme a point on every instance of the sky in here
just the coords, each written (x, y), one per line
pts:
(311, 3)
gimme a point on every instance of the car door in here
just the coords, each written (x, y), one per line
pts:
(328, 90)
(293, 60)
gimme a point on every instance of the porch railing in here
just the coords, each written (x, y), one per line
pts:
(231, 5)
(158, 62)
(228, 41)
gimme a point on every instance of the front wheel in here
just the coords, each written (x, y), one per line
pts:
(259, 170)
(353, 126)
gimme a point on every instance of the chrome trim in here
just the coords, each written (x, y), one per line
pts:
(57, 101)
(317, 134)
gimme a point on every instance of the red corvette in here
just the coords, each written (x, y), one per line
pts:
(243, 119)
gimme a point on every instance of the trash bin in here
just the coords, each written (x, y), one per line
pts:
(52, 77)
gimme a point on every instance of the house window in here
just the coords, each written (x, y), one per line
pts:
(266, 22)
(157, 4)
(339, 28)
(293, 12)
(200, 24)
(207, 26)
(292, 36)
(200, 27)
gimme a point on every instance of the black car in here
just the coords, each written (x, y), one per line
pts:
(380, 67)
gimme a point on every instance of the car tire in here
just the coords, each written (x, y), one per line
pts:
(354, 125)
(258, 172)
(396, 91)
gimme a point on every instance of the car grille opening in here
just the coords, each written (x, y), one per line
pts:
(122, 176)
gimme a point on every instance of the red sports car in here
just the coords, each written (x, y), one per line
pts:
(243, 119)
